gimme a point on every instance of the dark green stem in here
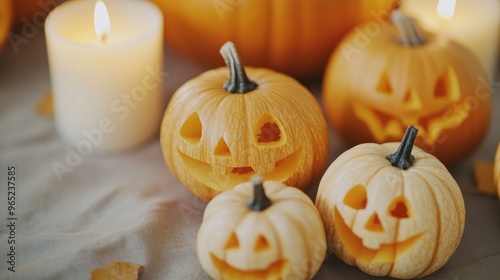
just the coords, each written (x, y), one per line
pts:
(238, 81)
(259, 201)
(410, 34)
(403, 158)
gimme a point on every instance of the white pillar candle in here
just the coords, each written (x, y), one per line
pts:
(106, 81)
(473, 23)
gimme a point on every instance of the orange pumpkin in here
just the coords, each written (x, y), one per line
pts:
(293, 37)
(215, 135)
(5, 20)
(374, 88)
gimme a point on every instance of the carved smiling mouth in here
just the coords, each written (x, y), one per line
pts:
(386, 253)
(274, 271)
(203, 172)
(385, 127)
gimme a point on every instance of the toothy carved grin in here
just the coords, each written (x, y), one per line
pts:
(203, 172)
(385, 127)
(274, 271)
(385, 253)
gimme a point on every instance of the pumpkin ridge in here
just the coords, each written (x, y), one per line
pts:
(448, 187)
(304, 233)
(276, 236)
(454, 201)
(393, 263)
(277, 214)
(391, 266)
(278, 203)
(438, 232)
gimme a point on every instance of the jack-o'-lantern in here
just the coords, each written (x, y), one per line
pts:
(496, 168)
(261, 231)
(376, 86)
(293, 37)
(5, 20)
(390, 212)
(216, 135)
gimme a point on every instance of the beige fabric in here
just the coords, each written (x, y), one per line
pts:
(128, 207)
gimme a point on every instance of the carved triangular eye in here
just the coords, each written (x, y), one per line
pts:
(356, 198)
(447, 86)
(412, 100)
(261, 244)
(232, 242)
(384, 86)
(222, 149)
(374, 223)
(192, 128)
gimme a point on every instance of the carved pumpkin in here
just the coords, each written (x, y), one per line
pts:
(5, 20)
(397, 215)
(215, 135)
(496, 169)
(278, 236)
(293, 37)
(373, 91)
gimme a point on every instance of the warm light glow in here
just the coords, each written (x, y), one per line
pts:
(446, 8)
(102, 25)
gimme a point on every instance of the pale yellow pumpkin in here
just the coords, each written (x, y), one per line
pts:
(261, 231)
(377, 83)
(389, 211)
(216, 135)
(496, 169)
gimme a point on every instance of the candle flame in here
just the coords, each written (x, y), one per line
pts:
(446, 8)
(102, 25)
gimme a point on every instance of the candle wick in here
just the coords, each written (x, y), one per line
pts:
(104, 38)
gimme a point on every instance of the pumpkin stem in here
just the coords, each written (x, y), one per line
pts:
(259, 201)
(410, 33)
(403, 158)
(238, 81)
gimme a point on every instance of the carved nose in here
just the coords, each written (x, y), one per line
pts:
(374, 224)
(412, 100)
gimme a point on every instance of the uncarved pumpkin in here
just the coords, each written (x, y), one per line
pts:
(261, 231)
(389, 211)
(377, 83)
(221, 127)
(294, 37)
(5, 20)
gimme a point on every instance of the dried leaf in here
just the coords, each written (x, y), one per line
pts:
(117, 271)
(45, 106)
(483, 171)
